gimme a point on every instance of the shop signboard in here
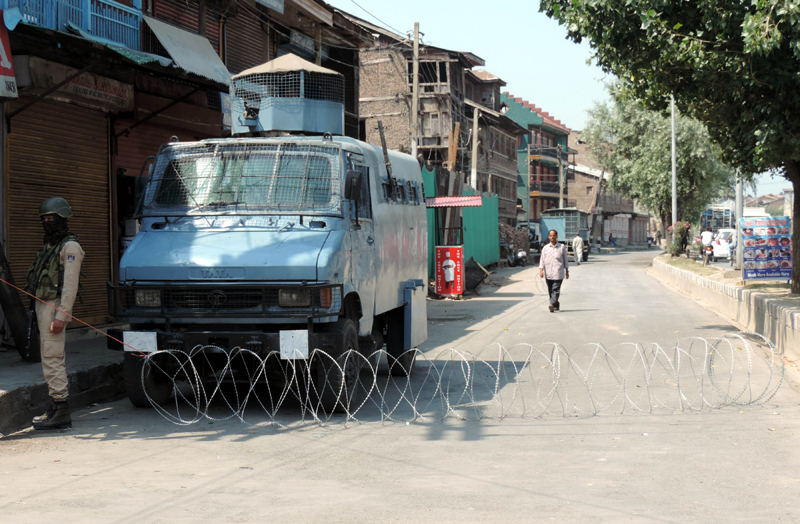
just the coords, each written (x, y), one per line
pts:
(767, 248)
(8, 81)
(449, 270)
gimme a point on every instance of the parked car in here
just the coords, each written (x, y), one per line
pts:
(720, 243)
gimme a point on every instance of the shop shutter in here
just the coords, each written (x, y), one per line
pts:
(61, 150)
(143, 141)
(244, 41)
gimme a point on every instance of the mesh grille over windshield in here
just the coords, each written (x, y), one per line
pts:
(216, 178)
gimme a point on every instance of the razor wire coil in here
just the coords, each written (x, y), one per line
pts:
(526, 381)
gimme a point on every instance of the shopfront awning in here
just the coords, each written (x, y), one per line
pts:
(190, 51)
(454, 201)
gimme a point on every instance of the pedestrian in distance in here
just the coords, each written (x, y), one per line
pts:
(53, 279)
(577, 248)
(554, 268)
(612, 240)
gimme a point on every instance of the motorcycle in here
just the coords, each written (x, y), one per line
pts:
(708, 254)
(516, 257)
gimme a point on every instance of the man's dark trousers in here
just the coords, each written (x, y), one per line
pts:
(554, 290)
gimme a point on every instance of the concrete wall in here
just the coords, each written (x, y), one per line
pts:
(775, 317)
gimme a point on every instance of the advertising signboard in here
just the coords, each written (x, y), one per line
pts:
(449, 270)
(8, 81)
(767, 248)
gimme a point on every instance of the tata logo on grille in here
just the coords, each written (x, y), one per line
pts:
(216, 273)
(217, 298)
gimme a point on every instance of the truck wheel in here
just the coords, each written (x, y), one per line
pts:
(585, 256)
(153, 386)
(400, 361)
(336, 385)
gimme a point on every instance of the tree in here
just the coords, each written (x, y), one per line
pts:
(732, 64)
(633, 143)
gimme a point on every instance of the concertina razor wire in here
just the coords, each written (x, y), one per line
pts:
(526, 381)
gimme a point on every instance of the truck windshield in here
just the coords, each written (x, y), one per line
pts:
(238, 178)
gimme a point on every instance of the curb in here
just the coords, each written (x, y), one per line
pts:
(19, 405)
(776, 318)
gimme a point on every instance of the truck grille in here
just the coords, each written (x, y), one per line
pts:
(222, 301)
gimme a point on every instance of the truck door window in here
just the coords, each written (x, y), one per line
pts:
(364, 207)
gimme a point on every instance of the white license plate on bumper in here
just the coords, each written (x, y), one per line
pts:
(294, 345)
(142, 341)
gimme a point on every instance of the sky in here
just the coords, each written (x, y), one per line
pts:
(524, 47)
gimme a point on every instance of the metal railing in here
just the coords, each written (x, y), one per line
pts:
(101, 18)
(549, 153)
(547, 187)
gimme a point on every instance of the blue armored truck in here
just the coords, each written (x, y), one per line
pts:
(287, 240)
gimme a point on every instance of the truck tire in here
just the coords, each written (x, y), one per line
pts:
(335, 386)
(155, 386)
(400, 361)
(585, 256)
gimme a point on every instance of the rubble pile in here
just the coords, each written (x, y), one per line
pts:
(518, 237)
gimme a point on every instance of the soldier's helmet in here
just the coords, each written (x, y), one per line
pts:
(55, 206)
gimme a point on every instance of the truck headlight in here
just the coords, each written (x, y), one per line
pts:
(148, 298)
(294, 297)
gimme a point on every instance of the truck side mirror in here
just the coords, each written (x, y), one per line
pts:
(352, 185)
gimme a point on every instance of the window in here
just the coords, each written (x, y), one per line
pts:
(364, 207)
(589, 190)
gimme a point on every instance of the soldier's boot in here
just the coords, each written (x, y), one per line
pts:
(56, 417)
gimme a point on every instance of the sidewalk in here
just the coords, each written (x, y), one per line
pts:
(775, 315)
(95, 374)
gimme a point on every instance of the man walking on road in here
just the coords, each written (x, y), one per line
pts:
(577, 248)
(53, 279)
(554, 268)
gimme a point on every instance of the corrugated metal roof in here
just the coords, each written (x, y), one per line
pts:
(454, 201)
(189, 51)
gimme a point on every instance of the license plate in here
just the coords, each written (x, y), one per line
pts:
(294, 345)
(142, 341)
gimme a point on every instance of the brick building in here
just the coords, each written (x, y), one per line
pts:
(498, 140)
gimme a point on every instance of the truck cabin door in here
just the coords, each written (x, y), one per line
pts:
(363, 248)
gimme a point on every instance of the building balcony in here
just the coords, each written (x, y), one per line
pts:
(548, 154)
(542, 188)
(104, 19)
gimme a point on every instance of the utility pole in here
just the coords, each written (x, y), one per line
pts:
(739, 214)
(674, 164)
(473, 176)
(528, 192)
(415, 94)
(560, 180)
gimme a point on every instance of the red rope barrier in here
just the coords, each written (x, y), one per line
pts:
(67, 314)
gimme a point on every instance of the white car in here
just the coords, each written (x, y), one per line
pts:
(720, 243)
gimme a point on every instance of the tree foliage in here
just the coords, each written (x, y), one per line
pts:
(634, 144)
(732, 64)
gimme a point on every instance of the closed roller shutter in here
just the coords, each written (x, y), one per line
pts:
(244, 42)
(133, 150)
(61, 150)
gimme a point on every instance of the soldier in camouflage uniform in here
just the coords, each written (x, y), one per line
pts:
(53, 278)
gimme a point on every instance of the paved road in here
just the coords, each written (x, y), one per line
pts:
(121, 464)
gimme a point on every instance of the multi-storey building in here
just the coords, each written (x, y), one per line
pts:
(498, 140)
(545, 156)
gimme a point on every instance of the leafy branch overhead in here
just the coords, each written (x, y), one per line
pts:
(732, 64)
